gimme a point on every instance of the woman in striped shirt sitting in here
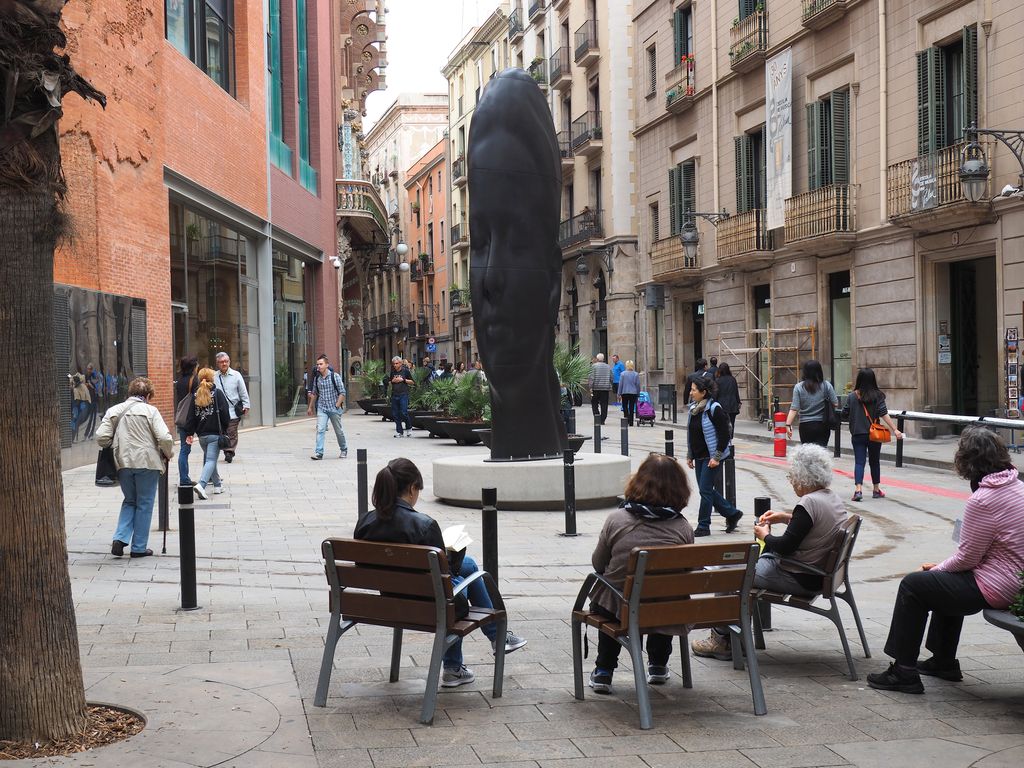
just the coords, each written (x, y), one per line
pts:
(982, 573)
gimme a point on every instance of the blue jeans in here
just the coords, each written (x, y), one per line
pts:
(400, 411)
(183, 453)
(863, 449)
(709, 497)
(478, 597)
(211, 450)
(79, 408)
(139, 488)
(322, 417)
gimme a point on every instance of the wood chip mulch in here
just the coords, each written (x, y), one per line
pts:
(104, 725)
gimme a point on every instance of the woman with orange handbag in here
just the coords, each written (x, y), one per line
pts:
(864, 407)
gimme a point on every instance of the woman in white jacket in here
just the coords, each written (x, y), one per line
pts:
(142, 445)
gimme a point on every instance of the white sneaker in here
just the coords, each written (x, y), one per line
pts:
(200, 492)
(344, 454)
(513, 642)
(218, 489)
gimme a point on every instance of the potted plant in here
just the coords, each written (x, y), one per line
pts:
(572, 370)
(371, 385)
(436, 400)
(470, 410)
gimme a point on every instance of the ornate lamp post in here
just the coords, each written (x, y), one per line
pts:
(974, 167)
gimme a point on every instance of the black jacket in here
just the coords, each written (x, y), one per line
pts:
(728, 394)
(182, 389)
(400, 388)
(405, 526)
(203, 421)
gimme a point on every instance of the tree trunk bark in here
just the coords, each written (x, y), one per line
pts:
(42, 696)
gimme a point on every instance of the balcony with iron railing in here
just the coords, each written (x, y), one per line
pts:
(822, 221)
(420, 268)
(744, 238)
(358, 201)
(515, 25)
(681, 96)
(924, 192)
(539, 73)
(460, 300)
(559, 69)
(427, 321)
(586, 134)
(559, 5)
(565, 150)
(581, 228)
(818, 14)
(460, 235)
(459, 177)
(538, 10)
(669, 261)
(749, 42)
(586, 50)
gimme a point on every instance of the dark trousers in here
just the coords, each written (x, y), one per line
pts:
(599, 404)
(710, 498)
(816, 432)
(400, 412)
(232, 433)
(863, 449)
(948, 597)
(629, 407)
(659, 647)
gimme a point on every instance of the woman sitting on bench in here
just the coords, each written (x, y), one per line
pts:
(394, 519)
(982, 573)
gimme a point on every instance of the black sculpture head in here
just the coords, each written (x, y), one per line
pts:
(515, 184)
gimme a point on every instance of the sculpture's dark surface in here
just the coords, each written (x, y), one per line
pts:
(515, 183)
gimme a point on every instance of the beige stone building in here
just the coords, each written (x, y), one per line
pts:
(880, 260)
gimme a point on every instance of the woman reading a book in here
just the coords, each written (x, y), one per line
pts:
(394, 519)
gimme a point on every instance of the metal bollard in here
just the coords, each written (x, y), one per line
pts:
(837, 451)
(572, 422)
(187, 547)
(489, 529)
(899, 443)
(675, 405)
(624, 436)
(570, 493)
(597, 438)
(362, 485)
(729, 473)
(761, 505)
(670, 442)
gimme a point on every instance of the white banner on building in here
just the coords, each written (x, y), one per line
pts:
(778, 143)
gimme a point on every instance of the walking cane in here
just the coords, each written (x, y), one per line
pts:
(164, 501)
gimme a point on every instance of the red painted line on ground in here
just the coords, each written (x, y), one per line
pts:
(891, 482)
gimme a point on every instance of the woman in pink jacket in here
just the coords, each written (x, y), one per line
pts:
(982, 573)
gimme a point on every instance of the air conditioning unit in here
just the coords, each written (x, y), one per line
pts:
(654, 297)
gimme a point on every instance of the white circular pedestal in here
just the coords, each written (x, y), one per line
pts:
(540, 485)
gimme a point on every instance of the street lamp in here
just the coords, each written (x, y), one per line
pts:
(690, 237)
(974, 168)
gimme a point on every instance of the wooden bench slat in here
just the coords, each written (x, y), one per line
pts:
(391, 609)
(710, 610)
(664, 585)
(404, 556)
(395, 583)
(677, 558)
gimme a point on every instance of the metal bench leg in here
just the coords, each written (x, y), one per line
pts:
(684, 654)
(643, 696)
(756, 691)
(577, 658)
(758, 627)
(735, 647)
(499, 658)
(396, 654)
(327, 663)
(433, 678)
(837, 619)
(848, 597)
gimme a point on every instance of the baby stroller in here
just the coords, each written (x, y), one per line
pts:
(644, 410)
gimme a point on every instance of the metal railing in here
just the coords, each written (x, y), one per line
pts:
(460, 234)
(458, 169)
(536, 7)
(583, 226)
(926, 182)
(686, 87)
(826, 211)
(586, 128)
(418, 269)
(427, 318)
(812, 8)
(586, 39)
(558, 65)
(460, 300)
(359, 198)
(565, 145)
(537, 72)
(748, 36)
(515, 24)
(601, 318)
(743, 233)
(669, 258)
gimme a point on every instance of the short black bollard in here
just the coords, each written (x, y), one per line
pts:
(489, 529)
(837, 451)
(675, 405)
(572, 421)
(570, 492)
(670, 442)
(597, 438)
(900, 421)
(624, 436)
(729, 472)
(761, 505)
(362, 485)
(187, 546)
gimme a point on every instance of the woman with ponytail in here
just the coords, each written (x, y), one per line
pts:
(208, 420)
(395, 520)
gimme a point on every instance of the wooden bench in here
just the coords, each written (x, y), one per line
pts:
(835, 585)
(668, 591)
(405, 587)
(1009, 622)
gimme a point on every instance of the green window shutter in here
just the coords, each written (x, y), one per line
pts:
(925, 138)
(813, 146)
(745, 199)
(674, 201)
(931, 101)
(747, 7)
(678, 33)
(969, 63)
(760, 200)
(688, 187)
(307, 174)
(937, 65)
(840, 137)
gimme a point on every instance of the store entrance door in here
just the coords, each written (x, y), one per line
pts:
(974, 341)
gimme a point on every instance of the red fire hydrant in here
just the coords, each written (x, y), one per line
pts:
(780, 434)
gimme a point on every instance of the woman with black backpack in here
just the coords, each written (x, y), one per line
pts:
(184, 389)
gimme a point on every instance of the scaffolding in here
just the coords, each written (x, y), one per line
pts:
(772, 359)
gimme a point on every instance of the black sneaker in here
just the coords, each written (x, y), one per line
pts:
(894, 679)
(732, 522)
(117, 547)
(701, 532)
(933, 668)
(601, 680)
(317, 456)
(229, 457)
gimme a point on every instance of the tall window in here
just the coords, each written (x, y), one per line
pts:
(828, 141)
(682, 33)
(947, 92)
(682, 196)
(204, 31)
(307, 174)
(750, 171)
(652, 70)
(280, 153)
(655, 222)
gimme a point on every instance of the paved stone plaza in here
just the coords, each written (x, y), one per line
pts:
(232, 683)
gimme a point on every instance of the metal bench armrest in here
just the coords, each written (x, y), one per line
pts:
(588, 587)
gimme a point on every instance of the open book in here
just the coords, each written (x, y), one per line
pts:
(455, 538)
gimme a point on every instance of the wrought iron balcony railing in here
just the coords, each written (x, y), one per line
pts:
(829, 210)
(586, 40)
(580, 228)
(749, 40)
(585, 129)
(926, 182)
(744, 233)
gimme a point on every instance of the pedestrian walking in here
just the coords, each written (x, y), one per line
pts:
(727, 393)
(231, 383)
(628, 388)
(707, 447)
(712, 367)
(142, 444)
(184, 389)
(700, 371)
(328, 400)
(460, 370)
(865, 406)
(617, 368)
(80, 404)
(812, 397)
(400, 379)
(600, 383)
(208, 420)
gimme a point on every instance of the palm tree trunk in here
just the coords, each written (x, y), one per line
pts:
(40, 670)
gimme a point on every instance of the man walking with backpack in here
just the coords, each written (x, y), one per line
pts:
(328, 399)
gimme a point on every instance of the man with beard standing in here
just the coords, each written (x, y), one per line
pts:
(230, 382)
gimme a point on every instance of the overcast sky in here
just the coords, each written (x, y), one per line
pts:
(421, 34)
